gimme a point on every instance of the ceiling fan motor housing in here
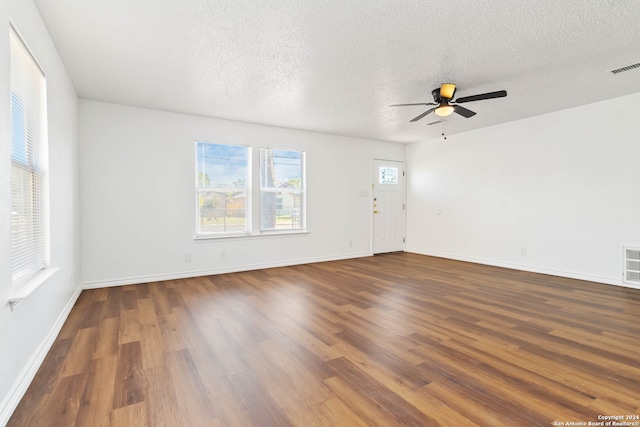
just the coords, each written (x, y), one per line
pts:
(439, 99)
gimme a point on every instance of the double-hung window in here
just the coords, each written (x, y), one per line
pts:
(224, 193)
(223, 178)
(282, 190)
(29, 164)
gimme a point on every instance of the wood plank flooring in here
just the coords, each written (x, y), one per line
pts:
(393, 340)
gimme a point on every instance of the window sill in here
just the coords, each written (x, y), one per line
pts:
(246, 235)
(282, 232)
(30, 286)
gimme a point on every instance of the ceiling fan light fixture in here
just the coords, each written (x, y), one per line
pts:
(447, 90)
(444, 110)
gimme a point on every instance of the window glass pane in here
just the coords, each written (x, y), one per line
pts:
(222, 211)
(223, 188)
(388, 175)
(222, 165)
(281, 211)
(282, 190)
(280, 168)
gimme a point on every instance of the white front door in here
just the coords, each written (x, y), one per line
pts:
(388, 206)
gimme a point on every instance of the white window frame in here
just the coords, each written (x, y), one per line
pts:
(30, 245)
(301, 192)
(253, 192)
(200, 234)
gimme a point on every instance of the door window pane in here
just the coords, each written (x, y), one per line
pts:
(388, 175)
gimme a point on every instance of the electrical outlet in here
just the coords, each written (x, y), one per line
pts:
(187, 257)
(523, 251)
(350, 243)
(223, 254)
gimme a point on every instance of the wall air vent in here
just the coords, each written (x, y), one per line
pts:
(627, 68)
(631, 266)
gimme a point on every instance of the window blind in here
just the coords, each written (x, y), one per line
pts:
(29, 186)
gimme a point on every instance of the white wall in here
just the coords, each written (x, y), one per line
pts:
(138, 195)
(27, 332)
(565, 186)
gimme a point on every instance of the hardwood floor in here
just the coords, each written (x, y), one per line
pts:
(398, 339)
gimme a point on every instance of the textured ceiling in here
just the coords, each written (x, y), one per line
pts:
(335, 66)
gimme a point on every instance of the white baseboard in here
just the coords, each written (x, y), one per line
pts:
(208, 272)
(29, 372)
(551, 272)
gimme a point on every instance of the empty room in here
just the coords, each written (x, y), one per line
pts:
(298, 213)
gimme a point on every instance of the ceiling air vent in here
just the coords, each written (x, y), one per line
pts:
(627, 68)
(632, 266)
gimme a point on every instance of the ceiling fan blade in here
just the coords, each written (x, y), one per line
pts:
(422, 115)
(463, 111)
(447, 90)
(405, 105)
(479, 97)
(434, 123)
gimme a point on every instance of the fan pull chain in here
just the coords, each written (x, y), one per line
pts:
(444, 129)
